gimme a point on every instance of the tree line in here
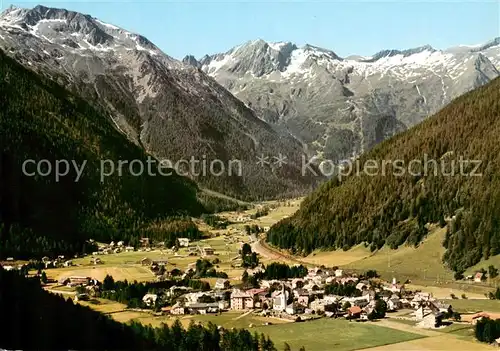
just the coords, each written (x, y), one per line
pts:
(55, 323)
(131, 293)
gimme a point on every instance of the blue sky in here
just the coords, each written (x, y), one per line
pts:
(346, 27)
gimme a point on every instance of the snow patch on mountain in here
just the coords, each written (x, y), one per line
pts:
(296, 66)
(341, 105)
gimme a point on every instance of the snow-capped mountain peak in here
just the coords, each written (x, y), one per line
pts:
(74, 30)
(169, 108)
(259, 58)
(345, 105)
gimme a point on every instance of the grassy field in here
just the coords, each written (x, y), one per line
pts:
(230, 319)
(333, 334)
(407, 262)
(338, 257)
(484, 264)
(453, 328)
(422, 265)
(233, 319)
(104, 306)
(323, 334)
(119, 272)
(278, 211)
(126, 265)
(443, 342)
(473, 306)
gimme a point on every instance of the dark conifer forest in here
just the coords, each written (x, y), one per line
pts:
(393, 208)
(34, 319)
(41, 215)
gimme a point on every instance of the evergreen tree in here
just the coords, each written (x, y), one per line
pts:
(43, 278)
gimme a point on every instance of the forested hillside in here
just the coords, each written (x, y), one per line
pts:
(392, 207)
(38, 320)
(40, 120)
(171, 110)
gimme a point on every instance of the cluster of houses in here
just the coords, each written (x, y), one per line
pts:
(78, 281)
(91, 286)
(303, 298)
(145, 246)
(157, 267)
(10, 265)
(113, 247)
(195, 250)
(293, 299)
(60, 261)
(306, 296)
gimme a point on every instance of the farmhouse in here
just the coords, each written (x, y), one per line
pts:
(222, 284)
(207, 251)
(429, 315)
(77, 281)
(361, 286)
(160, 262)
(242, 219)
(431, 320)
(146, 261)
(203, 308)
(419, 298)
(255, 271)
(177, 309)
(150, 299)
(478, 277)
(317, 305)
(354, 312)
(302, 297)
(183, 242)
(82, 297)
(394, 303)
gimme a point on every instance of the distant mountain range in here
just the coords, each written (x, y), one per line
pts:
(341, 107)
(254, 103)
(172, 110)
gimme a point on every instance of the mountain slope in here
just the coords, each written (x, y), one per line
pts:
(391, 199)
(39, 120)
(54, 323)
(171, 109)
(341, 107)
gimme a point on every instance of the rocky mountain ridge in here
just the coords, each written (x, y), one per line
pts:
(173, 110)
(341, 107)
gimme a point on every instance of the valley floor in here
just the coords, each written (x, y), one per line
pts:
(421, 265)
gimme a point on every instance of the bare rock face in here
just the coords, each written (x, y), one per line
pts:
(170, 108)
(340, 107)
